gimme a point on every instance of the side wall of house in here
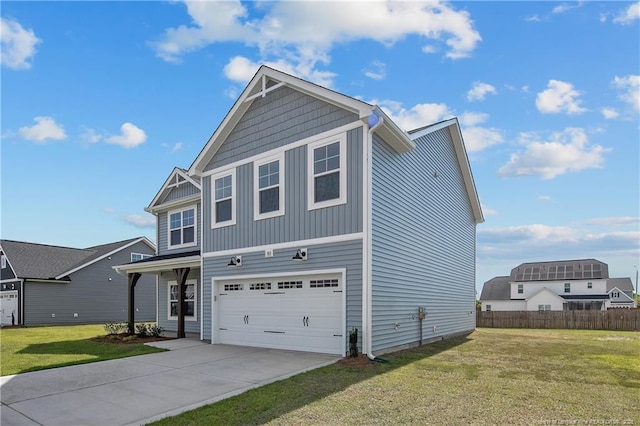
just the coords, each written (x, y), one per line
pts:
(96, 294)
(504, 305)
(423, 244)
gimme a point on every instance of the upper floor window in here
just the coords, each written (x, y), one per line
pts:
(567, 287)
(224, 211)
(327, 176)
(182, 228)
(589, 284)
(269, 187)
(488, 308)
(135, 257)
(3, 260)
(520, 288)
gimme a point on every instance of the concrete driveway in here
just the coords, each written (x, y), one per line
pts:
(141, 389)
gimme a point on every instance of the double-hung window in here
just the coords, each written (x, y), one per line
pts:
(268, 198)
(182, 227)
(520, 288)
(567, 287)
(190, 302)
(327, 172)
(224, 209)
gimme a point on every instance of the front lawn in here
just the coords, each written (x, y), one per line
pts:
(492, 377)
(39, 348)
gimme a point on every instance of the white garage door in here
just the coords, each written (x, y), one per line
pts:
(8, 306)
(303, 313)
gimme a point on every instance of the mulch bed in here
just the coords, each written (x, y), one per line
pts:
(125, 339)
(358, 361)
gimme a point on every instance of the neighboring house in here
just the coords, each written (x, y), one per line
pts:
(45, 284)
(555, 286)
(308, 214)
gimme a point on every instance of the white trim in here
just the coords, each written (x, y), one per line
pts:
(289, 244)
(342, 198)
(193, 282)
(234, 198)
(256, 187)
(3, 261)
(621, 294)
(42, 280)
(181, 210)
(9, 280)
(173, 204)
(201, 301)
(276, 151)
(168, 184)
(143, 239)
(142, 256)
(159, 265)
(343, 279)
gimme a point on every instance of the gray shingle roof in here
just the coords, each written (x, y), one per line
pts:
(560, 270)
(497, 288)
(42, 261)
(623, 284)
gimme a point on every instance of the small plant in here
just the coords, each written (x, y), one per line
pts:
(141, 330)
(155, 330)
(114, 328)
(353, 343)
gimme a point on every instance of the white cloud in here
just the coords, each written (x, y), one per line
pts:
(18, 46)
(628, 15)
(559, 97)
(90, 136)
(45, 128)
(533, 18)
(566, 151)
(479, 91)
(473, 118)
(479, 138)
(303, 33)
(241, 70)
(544, 198)
(630, 88)
(140, 221)
(130, 136)
(109, 210)
(565, 7)
(614, 221)
(486, 211)
(417, 116)
(609, 113)
(376, 70)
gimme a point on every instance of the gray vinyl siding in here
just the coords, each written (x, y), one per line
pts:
(187, 189)
(423, 243)
(91, 294)
(282, 117)
(346, 254)
(298, 223)
(7, 273)
(163, 232)
(163, 303)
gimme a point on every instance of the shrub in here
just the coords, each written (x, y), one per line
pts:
(141, 330)
(353, 343)
(155, 330)
(113, 328)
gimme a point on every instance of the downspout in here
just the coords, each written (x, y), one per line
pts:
(373, 122)
(21, 316)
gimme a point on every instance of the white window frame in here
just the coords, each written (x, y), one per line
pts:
(342, 199)
(590, 284)
(195, 227)
(567, 289)
(3, 261)
(256, 187)
(520, 288)
(487, 308)
(195, 300)
(234, 197)
(142, 256)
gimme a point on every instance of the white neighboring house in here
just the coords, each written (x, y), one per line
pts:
(558, 285)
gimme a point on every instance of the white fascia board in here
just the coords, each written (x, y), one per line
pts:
(159, 265)
(141, 239)
(545, 289)
(622, 293)
(243, 103)
(174, 203)
(167, 186)
(395, 137)
(463, 162)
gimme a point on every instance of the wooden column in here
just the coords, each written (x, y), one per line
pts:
(181, 277)
(133, 280)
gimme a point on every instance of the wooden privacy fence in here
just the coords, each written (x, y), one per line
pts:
(612, 319)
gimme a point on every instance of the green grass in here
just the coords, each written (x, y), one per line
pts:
(39, 348)
(493, 376)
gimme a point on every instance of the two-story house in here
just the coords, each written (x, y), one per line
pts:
(308, 214)
(47, 284)
(558, 285)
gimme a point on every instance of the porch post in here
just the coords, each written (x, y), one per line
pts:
(181, 277)
(133, 280)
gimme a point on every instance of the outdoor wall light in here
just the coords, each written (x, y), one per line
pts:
(235, 261)
(301, 254)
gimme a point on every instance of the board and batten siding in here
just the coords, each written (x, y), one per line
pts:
(186, 189)
(298, 223)
(423, 244)
(280, 118)
(163, 303)
(163, 232)
(97, 293)
(346, 255)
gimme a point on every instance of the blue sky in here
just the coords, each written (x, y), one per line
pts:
(100, 100)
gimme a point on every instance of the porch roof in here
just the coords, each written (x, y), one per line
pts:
(164, 262)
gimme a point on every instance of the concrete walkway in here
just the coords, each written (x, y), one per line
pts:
(144, 388)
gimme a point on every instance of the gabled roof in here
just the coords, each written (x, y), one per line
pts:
(544, 290)
(177, 177)
(497, 288)
(622, 284)
(48, 262)
(577, 269)
(268, 79)
(463, 160)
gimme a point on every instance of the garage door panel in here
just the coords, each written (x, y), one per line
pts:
(299, 313)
